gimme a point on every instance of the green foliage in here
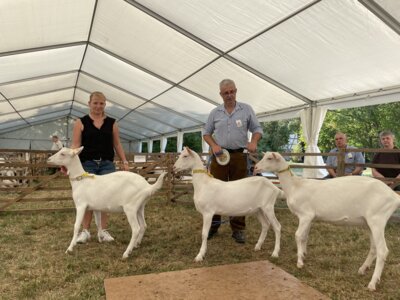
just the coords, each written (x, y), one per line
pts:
(171, 144)
(144, 148)
(276, 134)
(156, 146)
(361, 125)
(193, 140)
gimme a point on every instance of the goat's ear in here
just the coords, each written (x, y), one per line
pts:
(189, 151)
(275, 156)
(77, 150)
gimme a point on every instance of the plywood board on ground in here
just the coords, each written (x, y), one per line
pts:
(254, 280)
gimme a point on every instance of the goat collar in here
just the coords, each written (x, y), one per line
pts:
(202, 171)
(284, 170)
(83, 176)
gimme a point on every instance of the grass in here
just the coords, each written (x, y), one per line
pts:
(34, 265)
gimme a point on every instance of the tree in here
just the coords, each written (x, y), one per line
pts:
(193, 140)
(144, 147)
(361, 125)
(171, 144)
(277, 133)
(156, 146)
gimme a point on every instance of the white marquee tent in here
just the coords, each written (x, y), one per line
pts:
(159, 62)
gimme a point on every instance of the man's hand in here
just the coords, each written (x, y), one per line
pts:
(252, 147)
(217, 150)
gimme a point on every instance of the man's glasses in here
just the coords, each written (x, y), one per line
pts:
(227, 93)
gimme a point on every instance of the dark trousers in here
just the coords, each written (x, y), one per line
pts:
(235, 169)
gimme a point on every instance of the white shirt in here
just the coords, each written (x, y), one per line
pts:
(57, 145)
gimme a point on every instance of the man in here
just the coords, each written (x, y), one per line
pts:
(387, 141)
(227, 128)
(57, 145)
(350, 158)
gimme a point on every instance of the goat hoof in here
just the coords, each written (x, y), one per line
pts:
(125, 256)
(274, 254)
(68, 251)
(198, 258)
(361, 271)
(257, 248)
(300, 265)
(371, 287)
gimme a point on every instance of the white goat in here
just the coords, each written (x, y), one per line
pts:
(349, 200)
(252, 195)
(116, 192)
(8, 183)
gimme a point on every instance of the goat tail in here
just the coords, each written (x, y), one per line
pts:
(158, 184)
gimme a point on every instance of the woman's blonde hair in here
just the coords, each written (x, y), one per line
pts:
(98, 94)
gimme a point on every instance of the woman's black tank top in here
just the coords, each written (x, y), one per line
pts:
(97, 143)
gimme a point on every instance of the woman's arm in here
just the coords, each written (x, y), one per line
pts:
(118, 147)
(77, 134)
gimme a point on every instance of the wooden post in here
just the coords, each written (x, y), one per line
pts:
(341, 162)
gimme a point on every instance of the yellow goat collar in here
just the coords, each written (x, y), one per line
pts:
(83, 176)
(284, 170)
(195, 171)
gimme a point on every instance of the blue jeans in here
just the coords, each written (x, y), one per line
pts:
(99, 168)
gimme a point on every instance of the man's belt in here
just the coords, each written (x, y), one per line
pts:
(240, 150)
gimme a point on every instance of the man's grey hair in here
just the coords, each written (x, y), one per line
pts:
(386, 133)
(341, 133)
(225, 82)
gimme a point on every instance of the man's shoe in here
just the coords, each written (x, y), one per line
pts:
(83, 237)
(104, 236)
(239, 237)
(211, 234)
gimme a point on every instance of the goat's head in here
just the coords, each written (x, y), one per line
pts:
(271, 162)
(64, 157)
(186, 160)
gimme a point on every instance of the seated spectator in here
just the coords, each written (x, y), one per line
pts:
(350, 158)
(57, 145)
(386, 139)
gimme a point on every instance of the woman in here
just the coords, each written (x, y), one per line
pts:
(99, 135)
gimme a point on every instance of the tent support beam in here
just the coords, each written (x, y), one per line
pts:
(385, 17)
(144, 100)
(225, 54)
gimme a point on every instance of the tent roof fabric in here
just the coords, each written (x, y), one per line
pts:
(159, 63)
